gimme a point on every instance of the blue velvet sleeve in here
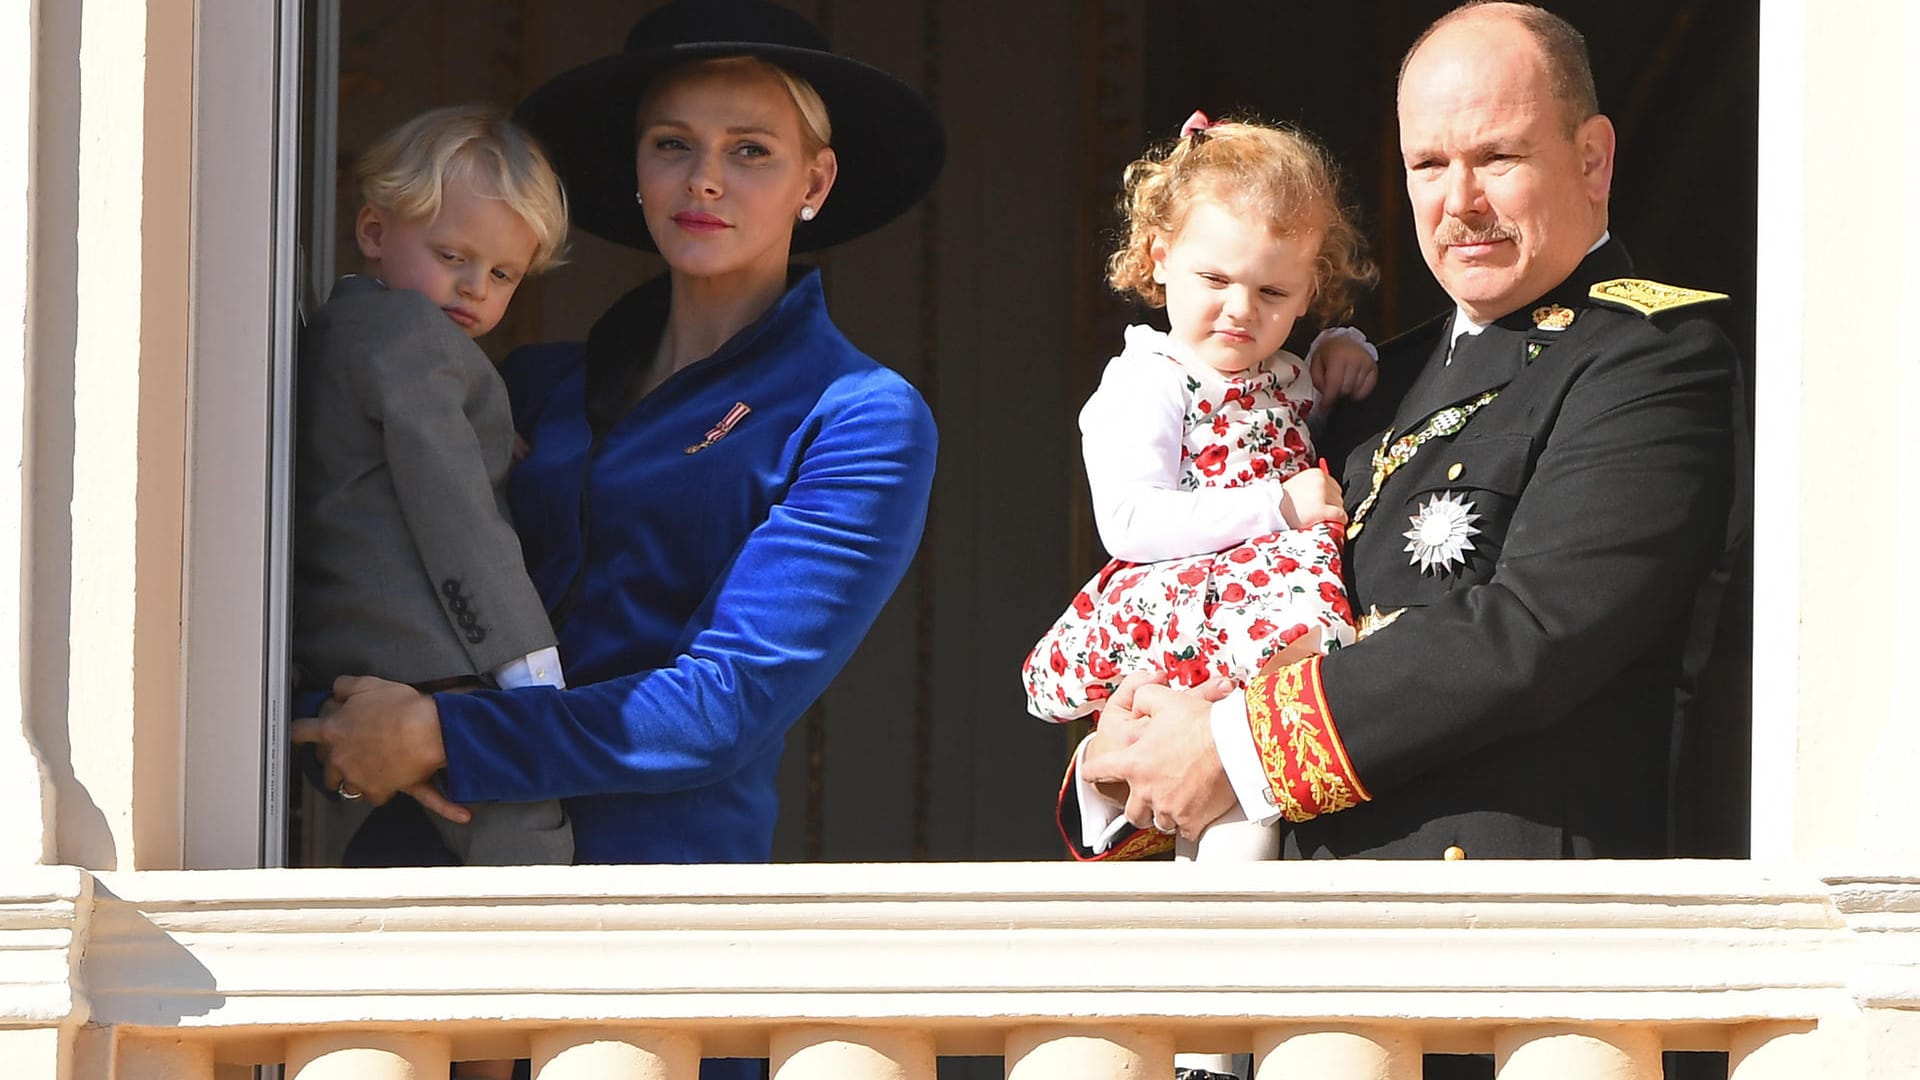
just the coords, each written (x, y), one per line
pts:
(799, 595)
(530, 373)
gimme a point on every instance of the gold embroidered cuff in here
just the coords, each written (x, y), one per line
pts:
(1308, 773)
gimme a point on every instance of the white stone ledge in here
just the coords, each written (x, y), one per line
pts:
(43, 920)
(1884, 914)
(966, 952)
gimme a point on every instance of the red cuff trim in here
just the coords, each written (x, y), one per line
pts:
(1308, 773)
(1138, 844)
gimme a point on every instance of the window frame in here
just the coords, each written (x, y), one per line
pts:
(247, 279)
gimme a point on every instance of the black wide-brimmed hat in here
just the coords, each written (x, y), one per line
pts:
(889, 143)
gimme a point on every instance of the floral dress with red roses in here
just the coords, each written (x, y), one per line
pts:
(1185, 465)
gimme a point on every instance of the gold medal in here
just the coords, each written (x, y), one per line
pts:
(1393, 453)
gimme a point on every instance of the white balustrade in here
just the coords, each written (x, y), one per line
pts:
(364, 1055)
(852, 1054)
(620, 1054)
(162, 1057)
(1115, 1053)
(1774, 1052)
(1345, 1053)
(1577, 1053)
(1574, 971)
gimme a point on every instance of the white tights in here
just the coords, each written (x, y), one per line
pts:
(1232, 838)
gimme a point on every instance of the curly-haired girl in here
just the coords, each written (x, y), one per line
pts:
(1224, 534)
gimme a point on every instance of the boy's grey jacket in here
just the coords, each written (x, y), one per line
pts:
(406, 565)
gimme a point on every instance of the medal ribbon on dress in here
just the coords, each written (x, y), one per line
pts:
(719, 431)
(1393, 453)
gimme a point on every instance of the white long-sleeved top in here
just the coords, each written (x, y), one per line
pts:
(1171, 447)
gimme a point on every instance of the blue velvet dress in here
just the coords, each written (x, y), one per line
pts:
(710, 558)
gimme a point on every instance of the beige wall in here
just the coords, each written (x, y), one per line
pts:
(25, 802)
(109, 317)
(1836, 730)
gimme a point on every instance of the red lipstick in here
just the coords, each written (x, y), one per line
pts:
(695, 221)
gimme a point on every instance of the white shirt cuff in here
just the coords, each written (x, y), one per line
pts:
(538, 668)
(1233, 741)
(1349, 333)
(1101, 819)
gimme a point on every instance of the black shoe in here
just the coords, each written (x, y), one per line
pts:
(1202, 1074)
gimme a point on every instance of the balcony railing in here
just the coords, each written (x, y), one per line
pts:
(861, 972)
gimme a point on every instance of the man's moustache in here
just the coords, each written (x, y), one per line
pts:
(1452, 235)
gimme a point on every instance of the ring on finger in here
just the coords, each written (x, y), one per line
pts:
(344, 793)
(1158, 827)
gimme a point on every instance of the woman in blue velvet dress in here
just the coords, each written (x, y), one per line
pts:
(721, 491)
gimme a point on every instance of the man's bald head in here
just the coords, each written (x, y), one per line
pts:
(1563, 51)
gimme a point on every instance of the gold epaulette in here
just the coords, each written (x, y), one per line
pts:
(1649, 298)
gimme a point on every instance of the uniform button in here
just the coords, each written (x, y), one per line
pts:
(1454, 854)
(1454, 473)
(476, 636)
(451, 587)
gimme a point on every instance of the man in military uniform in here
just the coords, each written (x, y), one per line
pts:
(1537, 491)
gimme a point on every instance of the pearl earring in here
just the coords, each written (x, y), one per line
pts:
(636, 199)
(806, 213)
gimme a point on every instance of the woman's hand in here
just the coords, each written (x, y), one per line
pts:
(382, 738)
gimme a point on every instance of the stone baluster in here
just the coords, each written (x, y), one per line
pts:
(368, 1055)
(161, 1057)
(1049, 1053)
(615, 1054)
(1774, 1052)
(852, 1054)
(1554, 1052)
(1335, 1053)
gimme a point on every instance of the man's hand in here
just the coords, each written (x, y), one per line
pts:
(1162, 749)
(1115, 728)
(383, 737)
(1342, 366)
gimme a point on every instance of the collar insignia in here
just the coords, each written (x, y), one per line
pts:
(1552, 317)
(719, 431)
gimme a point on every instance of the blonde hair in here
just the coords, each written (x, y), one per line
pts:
(816, 128)
(1274, 174)
(407, 170)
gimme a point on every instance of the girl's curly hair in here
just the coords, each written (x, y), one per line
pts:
(1275, 174)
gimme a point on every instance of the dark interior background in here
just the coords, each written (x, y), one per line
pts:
(989, 298)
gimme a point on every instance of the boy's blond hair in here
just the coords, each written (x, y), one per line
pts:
(407, 170)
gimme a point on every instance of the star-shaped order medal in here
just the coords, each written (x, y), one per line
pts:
(1440, 537)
